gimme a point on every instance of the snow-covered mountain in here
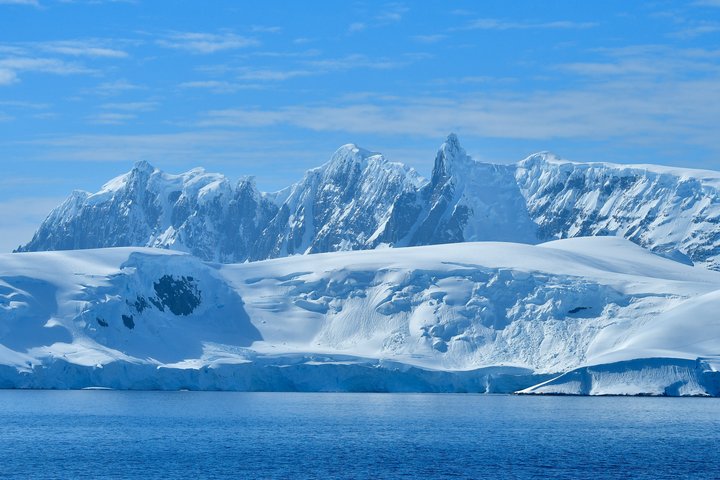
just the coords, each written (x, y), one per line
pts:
(585, 315)
(359, 200)
(675, 212)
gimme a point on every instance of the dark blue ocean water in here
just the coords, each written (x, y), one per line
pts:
(110, 434)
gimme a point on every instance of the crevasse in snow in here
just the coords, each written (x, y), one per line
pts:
(594, 315)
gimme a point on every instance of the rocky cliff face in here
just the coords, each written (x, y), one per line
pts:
(359, 200)
(674, 212)
(343, 205)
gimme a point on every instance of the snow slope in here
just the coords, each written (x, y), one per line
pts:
(584, 315)
(672, 211)
(359, 200)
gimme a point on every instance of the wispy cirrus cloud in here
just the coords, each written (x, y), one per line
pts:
(129, 148)
(20, 104)
(11, 68)
(388, 14)
(22, 108)
(45, 65)
(703, 28)
(32, 3)
(119, 113)
(636, 111)
(429, 38)
(131, 106)
(353, 61)
(356, 27)
(190, 147)
(498, 24)
(272, 75)
(245, 78)
(391, 12)
(656, 61)
(115, 87)
(220, 86)
(7, 77)
(99, 2)
(82, 48)
(265, 29)
(111, 118)
(51, 57)
(206, 43)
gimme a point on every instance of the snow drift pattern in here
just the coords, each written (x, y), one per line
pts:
(581, 316)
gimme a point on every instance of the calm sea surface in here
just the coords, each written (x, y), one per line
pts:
(110, 434)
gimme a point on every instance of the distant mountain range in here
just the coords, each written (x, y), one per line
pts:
(500, 307)
(359, 200)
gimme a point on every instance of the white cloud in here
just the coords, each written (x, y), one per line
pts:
(356, 27)
(45, 65)
(273, 75)
(42, 57)
(179, 146)
(496, 24)
(265, 29)
(350, 62)
(24, 105)
(33, 3)
(11, 66)
(656, 61)
(111, 118)
(636, 111)
(700, 28)
(131, 106)
(232, 152)
(99, 2)
(206, 43)
(7, 77)
(220, 86)
(306, 68)
(82, 48)
(391, 13)
(115, 87)
(429, 38)
(45, 115)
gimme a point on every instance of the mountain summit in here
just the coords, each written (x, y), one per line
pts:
(360, 200)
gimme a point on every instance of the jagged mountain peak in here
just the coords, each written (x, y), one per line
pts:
(543, 156)
(450, 158)
(351, 164)
(146, 177)
(350, 156)
(247, 180)
(354, 151)
(143, 166)
(360, 200)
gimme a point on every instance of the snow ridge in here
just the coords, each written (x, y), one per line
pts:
(358, 200)
(594, 315)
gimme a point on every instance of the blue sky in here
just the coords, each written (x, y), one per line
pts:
(88, 87)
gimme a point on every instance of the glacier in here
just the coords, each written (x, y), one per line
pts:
(359, 200)
(585, 316)
(546, 276)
